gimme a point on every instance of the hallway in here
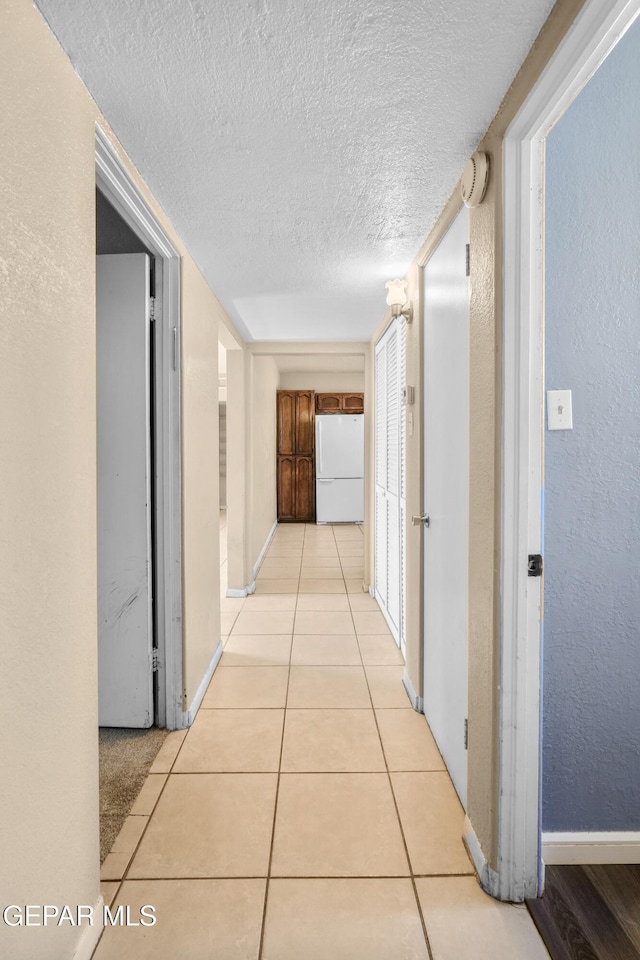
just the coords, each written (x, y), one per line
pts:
(307, 813)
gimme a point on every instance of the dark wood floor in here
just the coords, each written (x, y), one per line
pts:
(590, 913)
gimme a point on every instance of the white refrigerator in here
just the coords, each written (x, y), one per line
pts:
(340, 468)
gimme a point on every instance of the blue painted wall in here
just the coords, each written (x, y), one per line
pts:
(591, 687)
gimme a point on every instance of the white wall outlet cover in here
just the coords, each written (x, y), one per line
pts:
(559, 410)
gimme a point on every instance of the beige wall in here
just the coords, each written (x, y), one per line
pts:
(323, 382)
(485, 438)
(200, 477)
(49, 808)
(264, 380)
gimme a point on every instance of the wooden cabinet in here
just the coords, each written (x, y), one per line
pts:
(296, 411)
(353, 402)
(286, 422)
(286, 488)
(328, 402)
(339, 403)
(305, 441)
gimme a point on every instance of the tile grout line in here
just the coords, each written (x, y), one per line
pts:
(275, 805)
(125, 872)
(300, 876)
(395, 804)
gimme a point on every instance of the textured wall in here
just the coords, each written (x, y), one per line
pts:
(48, 701)
(591, 755)
(49, 725)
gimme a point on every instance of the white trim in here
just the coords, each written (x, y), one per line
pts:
(488, 878)
(241, 592)
(416, 702)
(123, 194)
(258, 562)
(601, 847)
(190, 714)
(595, 31)
(88, 939)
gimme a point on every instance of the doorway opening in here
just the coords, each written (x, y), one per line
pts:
(595, 32)
(138, 493)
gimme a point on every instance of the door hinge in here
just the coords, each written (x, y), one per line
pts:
(468, 259)
(466, 734)
(534, 565)
(152, 309)
(154, 660)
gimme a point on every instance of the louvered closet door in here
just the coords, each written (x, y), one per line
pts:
(381, 473)
(390, 480)
(402, 361)
(393, 482)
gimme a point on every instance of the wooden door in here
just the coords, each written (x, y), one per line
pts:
(286, 422)
(286, 488)
(328, 402)
(305, 493)
(305, 422)
(353, 402)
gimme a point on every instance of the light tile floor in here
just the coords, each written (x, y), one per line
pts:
(307, 813)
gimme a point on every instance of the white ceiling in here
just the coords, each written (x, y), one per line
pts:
(301, 149)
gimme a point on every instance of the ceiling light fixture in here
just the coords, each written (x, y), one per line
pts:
(398, 300)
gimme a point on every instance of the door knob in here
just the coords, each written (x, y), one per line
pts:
(425, 519)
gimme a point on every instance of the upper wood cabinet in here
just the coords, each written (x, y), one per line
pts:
(296, 423)
(339, 403)
(353, 402)
(328, 402)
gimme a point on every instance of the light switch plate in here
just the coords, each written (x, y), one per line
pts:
(559, 412)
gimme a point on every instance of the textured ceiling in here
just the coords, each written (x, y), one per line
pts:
(301, 149)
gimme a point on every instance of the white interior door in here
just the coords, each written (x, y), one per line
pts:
(390, 494)
(446, 496)
(381, 473)
(125, 630)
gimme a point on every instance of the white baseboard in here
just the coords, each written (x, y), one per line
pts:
(416, 702)
(90, 935)
(250, 588)
(258, 563)
(241, 592)
(487, 877)
(190, 714)
(591, 847)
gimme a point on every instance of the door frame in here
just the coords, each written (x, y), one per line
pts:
(116, 185)
(594, 33)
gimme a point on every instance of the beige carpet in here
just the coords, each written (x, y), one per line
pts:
(125, 758)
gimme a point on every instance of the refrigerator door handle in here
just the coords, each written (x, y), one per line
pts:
(319, 424)
(321, 480)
